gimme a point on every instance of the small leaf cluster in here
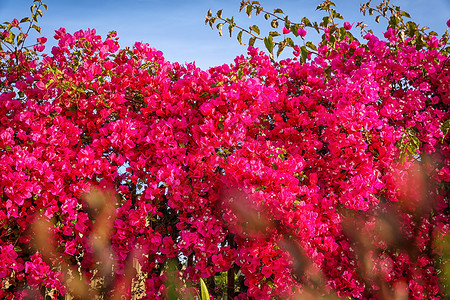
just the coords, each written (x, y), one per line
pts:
(400, 21)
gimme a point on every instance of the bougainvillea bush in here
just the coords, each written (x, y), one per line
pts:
(326, 172)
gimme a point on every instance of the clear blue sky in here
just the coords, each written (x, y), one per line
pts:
(177, 27)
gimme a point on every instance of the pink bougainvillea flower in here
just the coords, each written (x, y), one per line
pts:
(301, 32)
(40, 85)
(42, 40)
(15, 23)
(285, 30)
(347, 25)
(390, 34)
(448, 22)
(296, 50)
(433, 42)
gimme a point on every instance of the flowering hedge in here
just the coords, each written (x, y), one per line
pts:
(228, 169)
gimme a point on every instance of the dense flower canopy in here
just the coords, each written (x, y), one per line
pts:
(225, 169)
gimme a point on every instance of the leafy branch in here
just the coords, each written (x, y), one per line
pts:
(395, 18)
(9, 40)
(254, 31)
(276, 17)
(331, 31)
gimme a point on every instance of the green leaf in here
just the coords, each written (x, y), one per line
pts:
(405, 14)
(27, 19)
(336, 15)
(10, 38)
(243, 4)
(266, 16)
(219, 13)
(342, 33)
(274, 33)
(251, 41)
(240, 73)
(204, 290)
(294, 29)
(40, 12)
(280, 48)
(377, 19)
(321, 7)
(289, 42)
(219, 26)
(274, 23)
(33, 7)
(230, 29)
(261, 188)
(37, 28)
(248, 10)
(239, 37)
(268, 42)
(20, 38)
(287, 23)
(255, 29)
(393, 21)
(310, 45)
(215, 84)
(445, 127)
(211, 21)
(305, 53)
(332, 39)
(306, 21)
(316, 27)
(278, 11)
(259, 9)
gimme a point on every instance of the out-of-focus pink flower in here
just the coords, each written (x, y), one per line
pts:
(448, 22)
(301, 32)
(285, 30)
(347, 25)
(444, 174)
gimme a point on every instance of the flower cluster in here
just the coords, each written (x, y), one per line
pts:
(312, 145)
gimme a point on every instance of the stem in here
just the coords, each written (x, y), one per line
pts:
(231, 271)
(241, 28)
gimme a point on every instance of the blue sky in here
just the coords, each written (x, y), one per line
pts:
(177, 27)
